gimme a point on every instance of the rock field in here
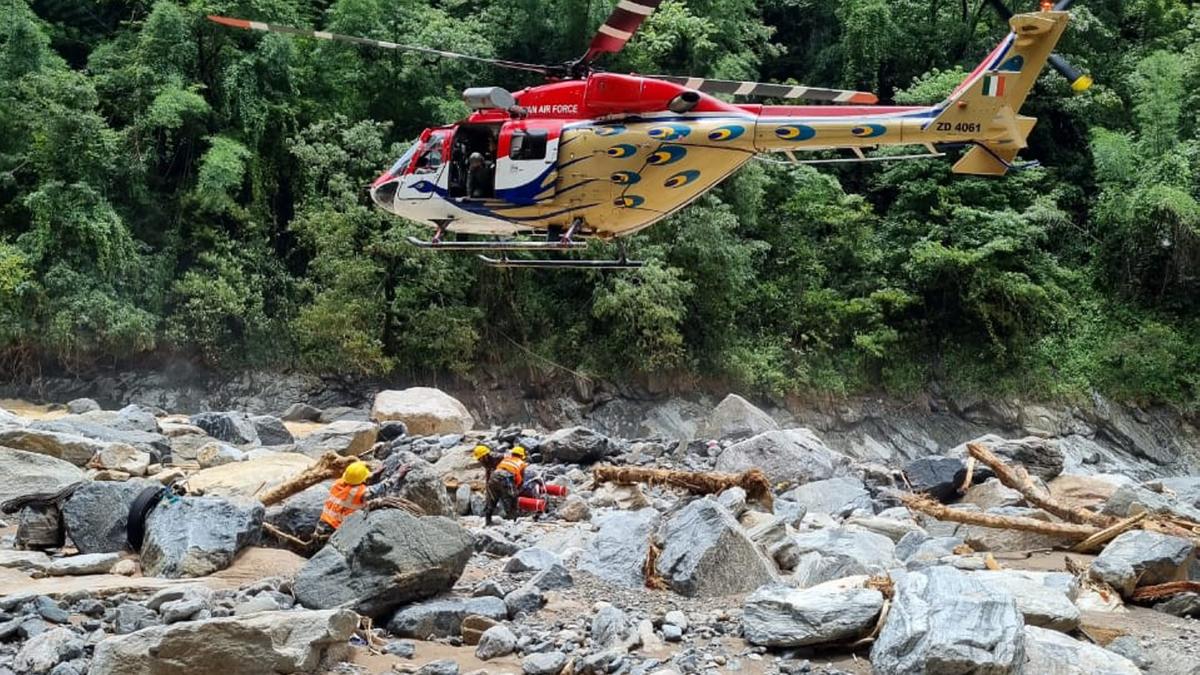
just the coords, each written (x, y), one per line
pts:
(137, 541)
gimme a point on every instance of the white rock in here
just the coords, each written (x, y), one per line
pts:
(424, 410)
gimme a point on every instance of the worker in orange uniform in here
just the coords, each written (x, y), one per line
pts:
(349, 494)
(504, 485)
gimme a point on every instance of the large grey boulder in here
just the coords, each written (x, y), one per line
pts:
(1186, 489)
(575, 445)
(944, 621)
(1049, 651)
(780, 616)
(834, 553)
(88, 426)
(196, 536)
(838, 497)
(68, 447)
(82, 405)
(1142, 558)
(706, 553)
(938, 477)
(263, 642)
(422, 485)
(22, 473)
(232, 426)
(345, 437)
(736, 418)
(380, 560)
(271, 430)
(299, 514)
(443, 617)
(1045, 599)
(301, 412)
(618, 551)
(1041, 457)
(790, 455)
(95, 515)
(1129, 500)
(84, 563)
(425, 411)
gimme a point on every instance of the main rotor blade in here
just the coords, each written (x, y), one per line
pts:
(323, 35)
(624, 21)
(773, 90)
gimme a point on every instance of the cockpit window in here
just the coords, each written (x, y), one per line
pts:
(431, 154)
(402, 164)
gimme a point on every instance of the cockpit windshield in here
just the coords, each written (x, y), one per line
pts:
(405, 159)
(431, 158)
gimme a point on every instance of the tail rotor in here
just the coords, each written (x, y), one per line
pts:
(1079, 80)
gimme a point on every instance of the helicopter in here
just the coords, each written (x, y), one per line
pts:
(592, 154)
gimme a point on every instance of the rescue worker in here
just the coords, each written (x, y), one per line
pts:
(479, 177)
(489, 459)
(349, 494)
(504, 485)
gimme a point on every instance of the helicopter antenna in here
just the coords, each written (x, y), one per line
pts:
(382, 44)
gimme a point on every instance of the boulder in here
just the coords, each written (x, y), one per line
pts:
(544, 663)
(346, 437)
(25, 561)
(790, 455)
(992, 494)
(249, 478)
(706, 553)
(424, 410)
(82, 405)
(86, 563)
(1041, 457)
(1002, 540)
(271, 430)
(618, 551)
(1185, 488)
(196, 536)
(838, 497)
(576, 445)
(834, 553)
(46, 650)
(532, 559)
(443, 618)
(117, 429)
(68, 447)
(610, 626)
(495, 642)
(892, 528)
(944, 621)
(1142, 558)
(265, 642)
(1049, 651)
(938, 477)
(301, 412)
(23, 472)
(122, 457)
(1087, 491)
(232, 427)
(574, 509)
(96, 513)
(298, 515)
(780, 616)
(736, 418)
(1042, 598)
(1129, 500)
(422, 485)
(378, 561)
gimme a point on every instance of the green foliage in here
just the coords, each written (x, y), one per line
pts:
(169, 184)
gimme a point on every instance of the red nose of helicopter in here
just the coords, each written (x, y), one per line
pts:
(383, 191)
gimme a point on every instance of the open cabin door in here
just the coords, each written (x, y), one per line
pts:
(527, 161)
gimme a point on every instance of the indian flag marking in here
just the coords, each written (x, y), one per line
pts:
(993, 85)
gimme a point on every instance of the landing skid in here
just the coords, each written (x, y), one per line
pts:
(497, 246)
(563, 263)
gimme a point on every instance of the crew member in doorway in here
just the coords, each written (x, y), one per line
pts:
(480, 177)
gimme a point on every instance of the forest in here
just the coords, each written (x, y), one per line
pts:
(171, 188)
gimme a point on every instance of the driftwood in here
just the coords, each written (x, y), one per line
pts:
(1162, 591)
(330, 465)
(650, 572)
(303, 544)
(390, 502)
(754, 481)
(1020, 482)
(930, 507)
(40, 499)
(1097, 541)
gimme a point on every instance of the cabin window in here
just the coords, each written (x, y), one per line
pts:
(528, 144)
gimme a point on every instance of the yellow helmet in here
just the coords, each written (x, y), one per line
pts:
(480, 452)
(519, 451)
(356, 473)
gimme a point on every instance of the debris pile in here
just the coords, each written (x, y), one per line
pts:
(142, 542)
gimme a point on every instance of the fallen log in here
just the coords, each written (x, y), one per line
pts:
(1097, 541)
(937, 510)
(302, 544)
(330, 465)
(1163, 591)
(754, 481)
(1021, 483)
